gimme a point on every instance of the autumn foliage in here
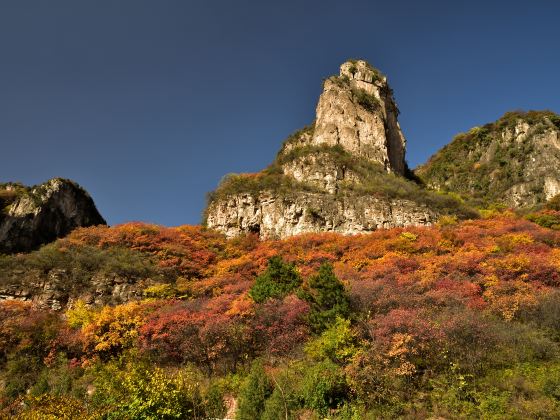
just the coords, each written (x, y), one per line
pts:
(412, 321)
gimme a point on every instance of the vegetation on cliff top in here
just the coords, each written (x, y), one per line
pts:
(297, 138)
(373, 180)
(469, 167)
(455, 320)
(11, 191)
(366, 100)
(377, 74)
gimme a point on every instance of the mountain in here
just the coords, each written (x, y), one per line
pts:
(459, 319)
(33, 216)
(345, 173)
(514, 161)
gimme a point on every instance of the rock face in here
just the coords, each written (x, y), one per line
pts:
(344, 173)
(275, 216)
(56, 289)
(357, 111)
(514, 161)
(30, 217)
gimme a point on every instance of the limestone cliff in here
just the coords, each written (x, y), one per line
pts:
(357, 111)
(514, 161)
(274, 216)
(343, 173)
(32, 216)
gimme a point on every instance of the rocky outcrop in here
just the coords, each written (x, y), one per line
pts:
(357, 112)
(514, 161)
(344, 173)
(274, 216)
(320, 170)
(33, 216)
(56, 289)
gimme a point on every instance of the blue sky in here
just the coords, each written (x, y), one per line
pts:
(147, 104)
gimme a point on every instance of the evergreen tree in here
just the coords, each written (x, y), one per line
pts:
(278, 280)
(328, 299)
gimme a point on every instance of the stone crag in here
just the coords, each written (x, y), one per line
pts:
(344, 173)
(357, 111)
(279, 216)
(33, 216)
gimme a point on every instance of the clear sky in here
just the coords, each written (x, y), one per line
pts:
(147, 104)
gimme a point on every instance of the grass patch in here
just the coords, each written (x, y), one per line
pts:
(365, 100)
(254, 183)
(294, 138)
(340, 81)
(78, 264)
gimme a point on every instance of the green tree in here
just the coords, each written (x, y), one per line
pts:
(554, 203)
(328, 299)
(277, 281)
(337, 343)
(286, 400)
(138, 391)
(324, 387)
(255, 390)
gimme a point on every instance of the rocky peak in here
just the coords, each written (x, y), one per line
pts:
(32, 216)
(357, 111)
(356, 115)
(343, 173)
(364, 76)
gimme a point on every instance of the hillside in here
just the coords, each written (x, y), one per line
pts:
(345, 173)
(454, 320)
(514, 161)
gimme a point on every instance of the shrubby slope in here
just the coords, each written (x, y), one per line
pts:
(455, 320)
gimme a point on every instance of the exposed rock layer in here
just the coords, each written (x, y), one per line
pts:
(275, 216)
(357, 111)
(56, 290)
